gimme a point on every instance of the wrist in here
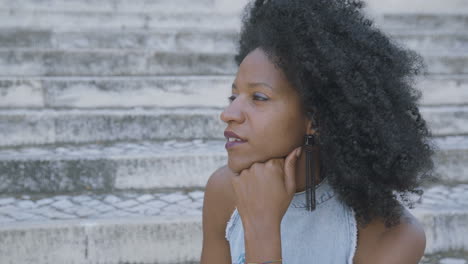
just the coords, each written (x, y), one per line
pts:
(262, 232)
(262, 244)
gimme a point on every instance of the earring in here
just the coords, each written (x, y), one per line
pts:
(311, 151)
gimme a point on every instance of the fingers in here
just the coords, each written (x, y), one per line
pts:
(290, 170)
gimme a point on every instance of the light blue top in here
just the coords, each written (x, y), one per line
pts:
(327, 235)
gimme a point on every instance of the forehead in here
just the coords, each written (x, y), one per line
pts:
(257, 67)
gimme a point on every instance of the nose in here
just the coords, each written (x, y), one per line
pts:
(233, 112)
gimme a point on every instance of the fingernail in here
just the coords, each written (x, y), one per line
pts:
(298, 152)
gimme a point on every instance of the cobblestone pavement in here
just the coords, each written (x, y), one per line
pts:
(128, 204)
(96, 206)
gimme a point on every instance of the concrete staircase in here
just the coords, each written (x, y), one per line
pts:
(109, 125)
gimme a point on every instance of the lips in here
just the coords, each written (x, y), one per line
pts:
(230, 144)
(230, 134)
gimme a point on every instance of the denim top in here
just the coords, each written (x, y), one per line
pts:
(327, 235)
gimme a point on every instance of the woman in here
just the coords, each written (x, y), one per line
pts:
(323, 133)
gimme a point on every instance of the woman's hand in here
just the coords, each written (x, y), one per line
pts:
(265, 190)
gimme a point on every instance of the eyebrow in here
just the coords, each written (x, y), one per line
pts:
(251, 85)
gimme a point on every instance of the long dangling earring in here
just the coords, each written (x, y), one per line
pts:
(311, 151)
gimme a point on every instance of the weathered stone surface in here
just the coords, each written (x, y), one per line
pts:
(80, 21)
(144, 165)
(116, 6)
(23, 127)
(34, 62)
(99, 206)
(444, 90)
(418, 6)
(446, 120)
(175, 91)
(431, 40)
(18, 93)
(175, 226)
(161, 40)
(449, 63)
(163, 239)
(421, 21)
(196, 40)
(151, 165)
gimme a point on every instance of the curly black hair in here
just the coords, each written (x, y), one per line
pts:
(358, 84)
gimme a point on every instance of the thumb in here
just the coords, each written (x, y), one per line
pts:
(290, 170)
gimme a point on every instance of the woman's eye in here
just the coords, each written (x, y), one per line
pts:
(256, 97)
(261, 98)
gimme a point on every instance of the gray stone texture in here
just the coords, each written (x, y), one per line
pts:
(93, 205)
(153, 165)
(81, 21)
(164, 91)
(443, 211)
(421, 21)
(26, 127)
(113, 62)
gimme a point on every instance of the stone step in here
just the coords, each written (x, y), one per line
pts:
(432, 41)
(130, 227)
(120, 166)
(217, 16)
(164, 40)
(394, 6)
(78, 21)
(20, 127)
(446, 120)
(118, 92)
(38, 127)
(154, 165)
(115, 6)
(449, 63)
(194, 40)
(34, 62)
(424, 21)
(444, 90)
(135, 227)
(169, 91)
(418, 6)
(117, 62)
(444, 213)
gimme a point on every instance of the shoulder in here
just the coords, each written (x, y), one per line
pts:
(219, 185)
(219, 199)
(408, 239)
(404, 243)
(218, 205)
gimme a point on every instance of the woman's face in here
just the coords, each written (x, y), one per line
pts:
(265, 111)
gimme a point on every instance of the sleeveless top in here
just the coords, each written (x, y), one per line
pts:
(327, 235)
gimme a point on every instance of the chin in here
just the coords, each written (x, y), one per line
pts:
(234, 167)
(237, 166)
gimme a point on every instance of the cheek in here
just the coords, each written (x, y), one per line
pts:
(280, 135)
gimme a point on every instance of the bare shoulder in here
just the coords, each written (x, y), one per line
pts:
(218, 205)
(219, 194)
(404, 243)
